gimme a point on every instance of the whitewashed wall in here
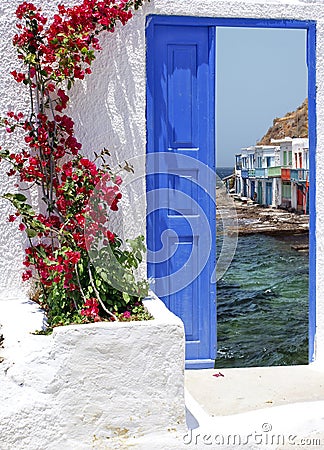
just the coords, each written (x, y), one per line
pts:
(91, 386)
(109, 108)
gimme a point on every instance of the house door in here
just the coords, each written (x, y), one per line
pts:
(268, 193)
(244, 188)
(259, 199)
(300, 197)
(181, 179)
(252, 189)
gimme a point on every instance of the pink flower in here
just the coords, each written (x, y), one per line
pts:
(219, 374)
(118, 180)
(127, 314)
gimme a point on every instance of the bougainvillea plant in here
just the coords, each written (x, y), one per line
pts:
(54, 54)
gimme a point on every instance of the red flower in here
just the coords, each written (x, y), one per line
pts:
(73, 257)
(114, 203)
(12, 218)
(51, 87)
(19, 77)
(22, 227)
(32, 72)
(110, 236)
(91, 308)
(26, 275)
(80, 219)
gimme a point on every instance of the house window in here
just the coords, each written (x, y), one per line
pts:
(290, 158)
(284, 158)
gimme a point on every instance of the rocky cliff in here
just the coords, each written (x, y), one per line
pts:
(293, 124)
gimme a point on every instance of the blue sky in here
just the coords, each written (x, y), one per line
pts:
(261, 74)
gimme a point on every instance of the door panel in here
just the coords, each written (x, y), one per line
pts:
(181, 181)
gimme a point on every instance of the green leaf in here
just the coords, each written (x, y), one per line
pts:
(18, 197)
(104, 276)
(31, 233)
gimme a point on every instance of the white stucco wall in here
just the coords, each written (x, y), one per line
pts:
(109, 108)
(90, 386)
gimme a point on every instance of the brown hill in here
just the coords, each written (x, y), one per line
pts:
(293, 124)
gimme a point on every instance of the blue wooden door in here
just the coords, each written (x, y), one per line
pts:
(181, 180)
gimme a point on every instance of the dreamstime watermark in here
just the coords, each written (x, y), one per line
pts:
(263, 437)
(179, 187)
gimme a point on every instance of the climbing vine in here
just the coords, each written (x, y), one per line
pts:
(55, 53)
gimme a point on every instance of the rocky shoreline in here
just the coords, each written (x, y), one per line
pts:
(252, 218)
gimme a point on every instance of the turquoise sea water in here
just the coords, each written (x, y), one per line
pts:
(262, 304)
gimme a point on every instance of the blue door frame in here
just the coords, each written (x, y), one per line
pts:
(161, 182)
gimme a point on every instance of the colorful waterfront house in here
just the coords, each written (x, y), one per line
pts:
(299, 175)
(248, 172)
(238, 174)
(282, 171)
(244, 172)
(293, 172)
(266, 157)
(241, 172)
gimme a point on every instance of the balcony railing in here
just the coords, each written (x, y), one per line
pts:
(285, 174)
(251, 173)
(299, 175)
(261, 173)
(274, 171)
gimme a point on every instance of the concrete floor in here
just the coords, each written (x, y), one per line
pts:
(249, 389)
(275, 408)
(270, 408)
